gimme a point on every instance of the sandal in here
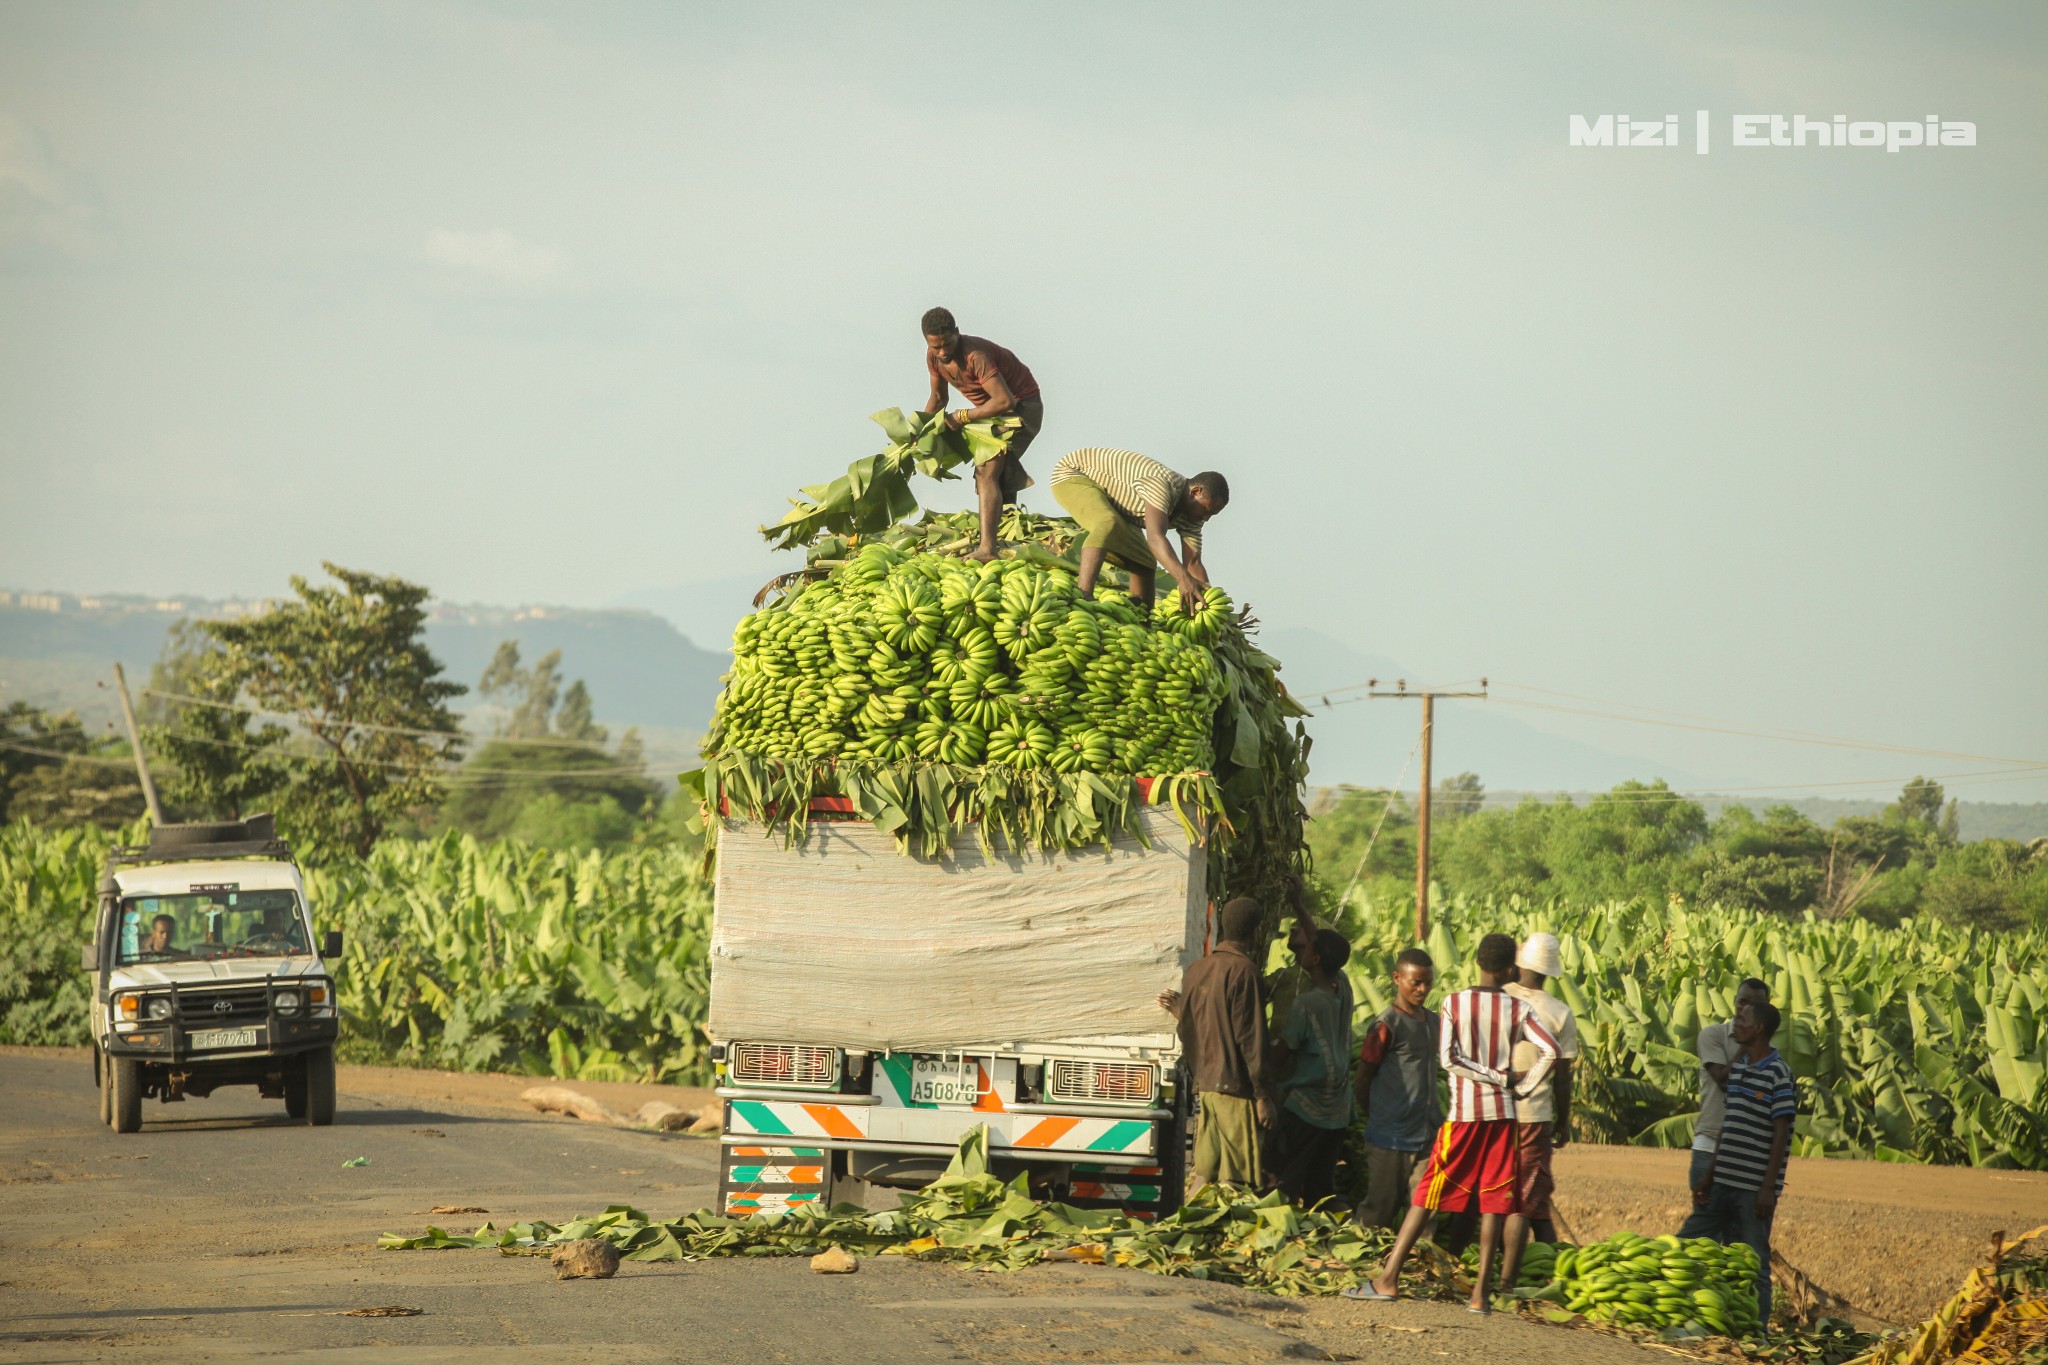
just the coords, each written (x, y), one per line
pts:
(1366, 1292)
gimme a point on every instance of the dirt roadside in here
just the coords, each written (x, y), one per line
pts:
(1893, 1240)
(224, 1232)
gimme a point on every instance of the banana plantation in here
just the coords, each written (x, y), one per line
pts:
(1916, 1043)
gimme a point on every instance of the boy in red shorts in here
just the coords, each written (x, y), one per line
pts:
(1472, 1161)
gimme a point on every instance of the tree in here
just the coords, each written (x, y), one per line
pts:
(32, 738)
(1459, 796)
(349, 665)
(52, 773)
(1920, 801)
(529, 693)
(538, 792)
(574, 720)
(218, 762)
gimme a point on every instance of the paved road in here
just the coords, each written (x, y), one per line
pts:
(222, 1232)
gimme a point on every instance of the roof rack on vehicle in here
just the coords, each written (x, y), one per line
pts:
(252, 837)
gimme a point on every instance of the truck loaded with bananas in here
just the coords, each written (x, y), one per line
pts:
(969, 824)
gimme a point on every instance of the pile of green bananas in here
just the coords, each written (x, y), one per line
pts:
(897, 655)
(1659, 1282)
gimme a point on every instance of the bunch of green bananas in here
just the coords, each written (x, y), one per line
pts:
(903, 654)
(1660, 1282)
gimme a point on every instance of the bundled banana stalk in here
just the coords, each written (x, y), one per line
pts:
(1661, 1282)
(940, 693)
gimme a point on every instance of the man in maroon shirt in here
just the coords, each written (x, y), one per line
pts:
(996, 383)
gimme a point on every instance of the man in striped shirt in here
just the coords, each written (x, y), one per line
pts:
(1472, 1162)
(1125, 503)
(1747, 1172)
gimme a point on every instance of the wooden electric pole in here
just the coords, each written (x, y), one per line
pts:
(1422, 809)
(156, 812)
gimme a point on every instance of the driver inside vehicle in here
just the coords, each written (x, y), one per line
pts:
(159, 940)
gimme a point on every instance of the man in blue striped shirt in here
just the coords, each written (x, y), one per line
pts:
(1747, 1173)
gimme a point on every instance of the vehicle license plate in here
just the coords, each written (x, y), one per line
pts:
(225, 1037)
(937, 1082)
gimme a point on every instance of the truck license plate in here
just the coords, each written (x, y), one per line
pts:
(937, 1082)
(225, 1037)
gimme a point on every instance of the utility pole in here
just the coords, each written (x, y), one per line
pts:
(1422, 809)
(156, 812)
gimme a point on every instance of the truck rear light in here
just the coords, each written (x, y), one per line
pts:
(803, 1065)
(1099, 1082)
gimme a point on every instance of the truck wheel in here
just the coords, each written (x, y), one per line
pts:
(125, 1099)
(295, 1087)
(104, 1086)
(319, 1083)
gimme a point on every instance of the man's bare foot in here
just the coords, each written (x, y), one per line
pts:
(1391, 1288)
(982, 554)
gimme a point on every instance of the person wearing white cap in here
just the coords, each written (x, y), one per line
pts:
(1543, 1117)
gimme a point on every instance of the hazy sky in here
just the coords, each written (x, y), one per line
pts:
(558, 302)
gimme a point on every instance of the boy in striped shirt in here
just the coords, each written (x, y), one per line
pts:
(1472, 1161)
(1747, 1172)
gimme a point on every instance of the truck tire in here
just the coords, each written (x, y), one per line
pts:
(125, 1099)
(319, 1083)
(101, 1084)
(295, 1087)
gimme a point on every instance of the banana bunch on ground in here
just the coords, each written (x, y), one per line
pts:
(899, 655)
(1658, 1282)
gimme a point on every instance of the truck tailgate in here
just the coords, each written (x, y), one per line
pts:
(840, 937)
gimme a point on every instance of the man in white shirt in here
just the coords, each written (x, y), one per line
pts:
(1543, 1116)
(1717, 1050)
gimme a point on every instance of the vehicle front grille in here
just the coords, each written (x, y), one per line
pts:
(1099, 1082)
(201, 1008)
(793, 1064)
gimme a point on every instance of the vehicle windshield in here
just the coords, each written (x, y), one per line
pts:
(212, 924)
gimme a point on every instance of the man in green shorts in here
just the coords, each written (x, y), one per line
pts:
(1125, 503)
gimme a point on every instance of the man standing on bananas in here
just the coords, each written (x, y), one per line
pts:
(996, 384)
(1125, 503)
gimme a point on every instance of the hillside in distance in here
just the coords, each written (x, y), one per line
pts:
(641, 670)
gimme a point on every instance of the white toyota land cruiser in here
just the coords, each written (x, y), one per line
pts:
(205, 974)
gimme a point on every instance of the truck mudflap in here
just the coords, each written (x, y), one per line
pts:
(769, 1179)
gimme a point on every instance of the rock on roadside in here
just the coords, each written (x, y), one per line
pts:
(834, 1261)
(588, 1259)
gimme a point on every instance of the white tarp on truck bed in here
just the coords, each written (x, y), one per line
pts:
(842, 939)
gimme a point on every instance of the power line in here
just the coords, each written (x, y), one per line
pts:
(20, 748)
(463, 735)
(1655, 796)
(454, 776)
(1703, 724)
(1788, 737)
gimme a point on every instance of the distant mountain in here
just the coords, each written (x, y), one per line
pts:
(640, 669)
(1373, 742)
(705, 612)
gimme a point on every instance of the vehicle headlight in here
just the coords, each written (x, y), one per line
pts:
(159, 1008)
(287, 1002)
